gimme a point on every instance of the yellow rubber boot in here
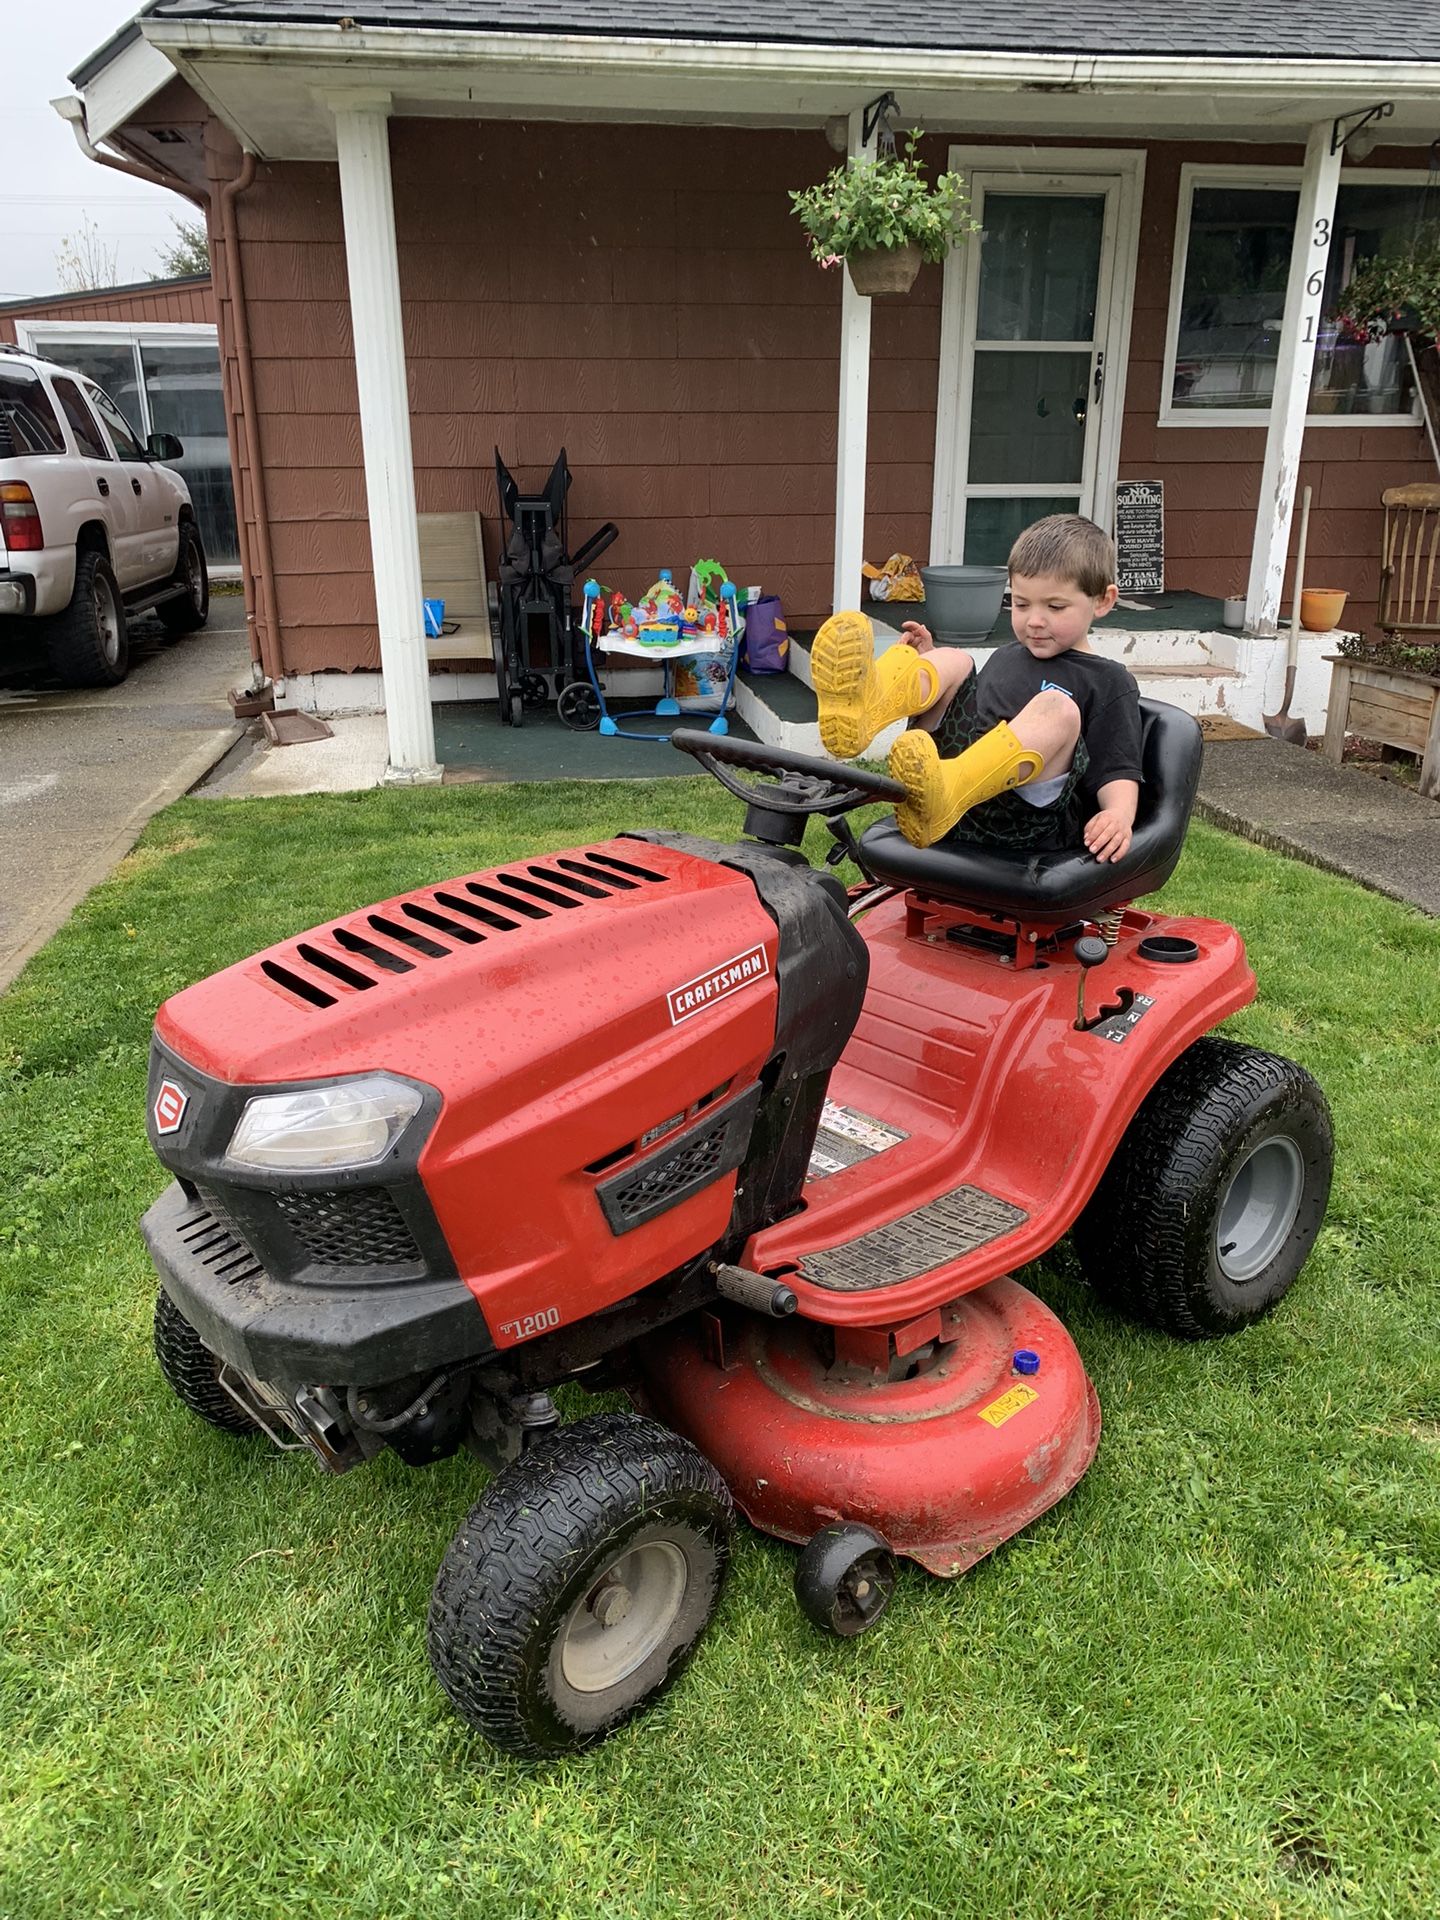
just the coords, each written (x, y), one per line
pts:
(941, 792)
(859, 695)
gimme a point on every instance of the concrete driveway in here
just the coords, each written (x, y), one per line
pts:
(81, 772)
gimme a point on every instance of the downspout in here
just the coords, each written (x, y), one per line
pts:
(263, 647)
(267, 649)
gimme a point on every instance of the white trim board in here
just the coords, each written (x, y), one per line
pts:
(1126, 165)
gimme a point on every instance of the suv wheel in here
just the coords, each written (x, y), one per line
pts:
(188, 613)
(88, 643)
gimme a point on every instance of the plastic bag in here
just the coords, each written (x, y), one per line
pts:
(766, 641)
(898, 579)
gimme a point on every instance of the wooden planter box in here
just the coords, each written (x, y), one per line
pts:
(1395, 705)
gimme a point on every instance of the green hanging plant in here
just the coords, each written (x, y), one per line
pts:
(867, 205)
(1398, 293)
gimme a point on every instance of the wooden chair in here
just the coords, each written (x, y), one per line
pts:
(452, 569)
(1398, 706)
(1409, 574)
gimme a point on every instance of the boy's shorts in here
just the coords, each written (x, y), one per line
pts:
(1009, 821)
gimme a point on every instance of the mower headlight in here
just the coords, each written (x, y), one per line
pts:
(353, 1123)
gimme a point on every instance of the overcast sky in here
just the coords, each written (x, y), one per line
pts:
(47, 186)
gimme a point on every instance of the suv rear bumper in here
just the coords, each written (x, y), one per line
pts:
(17, 593)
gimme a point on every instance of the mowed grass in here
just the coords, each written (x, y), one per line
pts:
(1204, 1685)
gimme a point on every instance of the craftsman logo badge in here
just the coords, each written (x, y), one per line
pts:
(169, 1109)
(706, 988)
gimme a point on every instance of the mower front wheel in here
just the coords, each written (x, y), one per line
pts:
(1211, 1204)
(845, 1578)
(579, 1586)
(193, 1371)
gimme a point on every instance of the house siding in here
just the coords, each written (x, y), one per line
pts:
(643, 297)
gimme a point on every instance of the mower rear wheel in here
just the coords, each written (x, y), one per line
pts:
(844, 1579)
(579, 1586)
(193, 1371)
(1211, 1204)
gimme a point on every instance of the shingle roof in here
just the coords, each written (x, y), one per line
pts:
(1248, 29)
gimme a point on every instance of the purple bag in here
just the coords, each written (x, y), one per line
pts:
(766, 641)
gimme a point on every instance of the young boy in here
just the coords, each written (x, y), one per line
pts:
(1040, 749)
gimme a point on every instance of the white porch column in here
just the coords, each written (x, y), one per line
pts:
(854, 423)
(1309, 257)
(362, 137)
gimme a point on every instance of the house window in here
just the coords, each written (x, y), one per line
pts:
(1232, 263)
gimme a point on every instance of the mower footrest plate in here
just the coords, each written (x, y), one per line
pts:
(953, 1225)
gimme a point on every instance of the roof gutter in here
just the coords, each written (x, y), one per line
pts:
(406, 49)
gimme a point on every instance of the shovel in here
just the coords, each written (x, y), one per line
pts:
(1284, 725)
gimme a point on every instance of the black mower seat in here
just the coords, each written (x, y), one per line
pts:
(1059, 887)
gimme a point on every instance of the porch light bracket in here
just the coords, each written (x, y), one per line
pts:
(1349, 124)
(878, 114)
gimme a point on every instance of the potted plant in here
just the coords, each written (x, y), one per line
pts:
(1393, 295)
(882, 218)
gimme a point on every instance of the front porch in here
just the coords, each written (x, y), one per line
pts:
(520, 253)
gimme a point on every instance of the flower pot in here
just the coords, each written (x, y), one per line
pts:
(963, 603)
(1321, 608)
(884, 269)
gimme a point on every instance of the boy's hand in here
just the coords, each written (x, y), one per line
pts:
(1107, 834)
(914, 635)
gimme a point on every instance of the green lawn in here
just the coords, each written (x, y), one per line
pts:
(1205, 1685)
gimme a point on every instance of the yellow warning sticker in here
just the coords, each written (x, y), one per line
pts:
(999, 1411)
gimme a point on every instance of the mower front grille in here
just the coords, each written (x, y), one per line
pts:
(681, 1167)
(400, 934)
(356, 1227)
(210, 1236)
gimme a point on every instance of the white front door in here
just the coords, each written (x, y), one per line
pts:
(1027, 423)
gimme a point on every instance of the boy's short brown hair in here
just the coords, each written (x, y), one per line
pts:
(1071, 548)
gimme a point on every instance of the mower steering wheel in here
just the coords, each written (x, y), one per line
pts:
(808, 784)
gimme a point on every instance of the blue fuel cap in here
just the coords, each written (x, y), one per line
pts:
(1026, 1362)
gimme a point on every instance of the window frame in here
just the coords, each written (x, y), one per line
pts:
(1203, 173)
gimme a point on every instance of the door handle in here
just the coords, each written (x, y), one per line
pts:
(104, 486)
(1098, 382)
(135, 486)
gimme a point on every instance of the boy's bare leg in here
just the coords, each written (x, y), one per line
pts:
(1050, 726)
(952, 667)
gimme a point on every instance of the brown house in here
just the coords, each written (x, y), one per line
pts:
(441, 228)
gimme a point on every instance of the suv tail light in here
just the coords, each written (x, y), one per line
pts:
(21, 518)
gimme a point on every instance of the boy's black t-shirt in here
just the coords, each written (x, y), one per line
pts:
(1106, 692)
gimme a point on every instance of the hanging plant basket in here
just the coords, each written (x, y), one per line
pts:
(885, 269)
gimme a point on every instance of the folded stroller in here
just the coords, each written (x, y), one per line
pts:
(537, 579)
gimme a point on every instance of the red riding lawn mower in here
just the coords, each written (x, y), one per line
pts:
(687, 1119)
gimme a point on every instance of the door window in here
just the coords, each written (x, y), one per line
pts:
(126, 444)
(88, 436)
(1036, 345)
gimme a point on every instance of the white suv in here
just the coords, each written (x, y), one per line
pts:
(92, 527)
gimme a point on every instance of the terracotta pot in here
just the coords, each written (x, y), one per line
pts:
(1321, 608)
(884, 269)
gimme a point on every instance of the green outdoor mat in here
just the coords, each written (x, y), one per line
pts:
(471, 743)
